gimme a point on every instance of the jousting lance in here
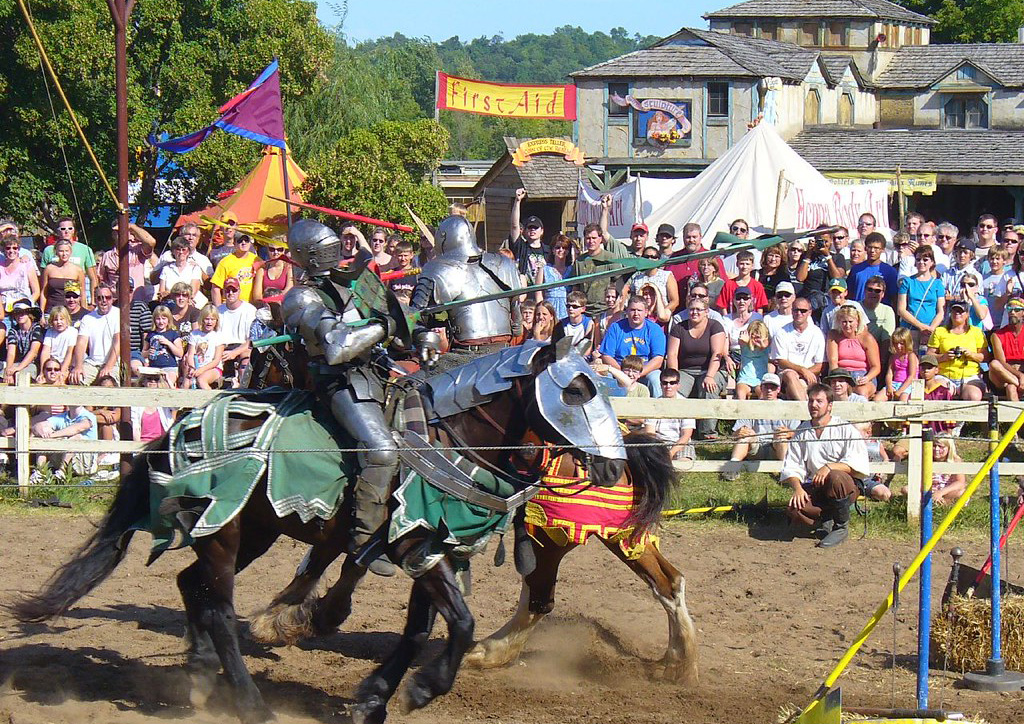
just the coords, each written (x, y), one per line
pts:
(616, 267)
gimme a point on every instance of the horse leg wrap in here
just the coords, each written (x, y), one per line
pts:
(526, 559)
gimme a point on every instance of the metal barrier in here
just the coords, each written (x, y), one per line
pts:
(24, 396)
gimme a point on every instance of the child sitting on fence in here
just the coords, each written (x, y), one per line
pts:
(946, 487)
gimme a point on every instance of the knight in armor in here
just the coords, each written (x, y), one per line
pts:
(463, 271)
(345, 358)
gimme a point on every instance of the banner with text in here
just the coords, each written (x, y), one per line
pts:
(840, 205)
(511, 100)
(622, 214)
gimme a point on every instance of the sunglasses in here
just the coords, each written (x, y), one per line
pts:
(874, 290)
(698, 296)
(798, 310)
(666, 383)
(65, 228)
(986, 226)
(71, 295)
(651, 256)
(840, 238)
(574, 306)
(104, 297)
(738, 230)
(533, 228)
(231, 290)
(783, 294)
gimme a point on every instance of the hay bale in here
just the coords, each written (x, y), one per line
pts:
(963, 631)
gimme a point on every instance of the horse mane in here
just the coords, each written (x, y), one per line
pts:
(653, 477)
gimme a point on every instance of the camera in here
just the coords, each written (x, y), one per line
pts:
(957, 352)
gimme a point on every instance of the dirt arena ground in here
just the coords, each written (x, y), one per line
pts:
(773, 618)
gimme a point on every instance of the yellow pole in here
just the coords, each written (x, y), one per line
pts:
(978, 478)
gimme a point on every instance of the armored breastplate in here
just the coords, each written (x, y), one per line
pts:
(455, 281)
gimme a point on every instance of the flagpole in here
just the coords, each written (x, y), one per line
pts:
(287, 186)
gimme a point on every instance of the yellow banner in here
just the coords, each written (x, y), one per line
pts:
(534, 146)
(506, 99)
(910, 183)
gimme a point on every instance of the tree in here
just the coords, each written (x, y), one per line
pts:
(377, 170)
(185, 58)
(971, 21)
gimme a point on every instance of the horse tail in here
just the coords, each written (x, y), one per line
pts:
(652, 475)
(99, 555)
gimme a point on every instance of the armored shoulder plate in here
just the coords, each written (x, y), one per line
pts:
(503, 268)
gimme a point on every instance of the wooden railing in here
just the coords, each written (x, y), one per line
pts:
(23, 396)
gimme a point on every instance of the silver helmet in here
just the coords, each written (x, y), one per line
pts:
(314, 247)
(456, 239)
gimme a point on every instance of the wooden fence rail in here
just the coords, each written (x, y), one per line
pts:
(23, 396)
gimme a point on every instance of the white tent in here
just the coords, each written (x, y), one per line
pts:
(743, 183)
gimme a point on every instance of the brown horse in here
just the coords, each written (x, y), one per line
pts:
(650, 473)
(507, 419)
(296, 613)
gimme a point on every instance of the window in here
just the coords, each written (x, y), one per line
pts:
(809, 34)
(718, 99)
(968, 112)
(812, 108)
(966, 72)
(835, 35)
(846, 109)
(768, 30)
(743, 29)
(617, 110)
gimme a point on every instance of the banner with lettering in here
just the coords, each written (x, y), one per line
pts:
(511, 100)
(622, 214)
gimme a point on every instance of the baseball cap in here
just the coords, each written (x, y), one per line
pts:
(1015, 303)
(841, 373)
(533, 221)
(958, 303)
(229, 217)
(966, 244)
(930, 359)
(742, 292)
(666, 229)
(72, 285)
(640, 227)
(770, 378)
(231, 282)
(837, 284)
(785, 287)
(1008, 222)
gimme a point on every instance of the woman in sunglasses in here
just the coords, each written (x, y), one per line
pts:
(18, 279)
(921, 303)
(556, 266)
(661, 279)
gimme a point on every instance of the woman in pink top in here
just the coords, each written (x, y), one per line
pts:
(852, 347)
(151, 422)
(18, 279)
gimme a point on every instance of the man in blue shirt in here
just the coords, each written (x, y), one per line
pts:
(874, 245)
(636, 334)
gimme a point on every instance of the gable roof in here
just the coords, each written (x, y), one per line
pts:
(860, 9)
(939, 151)
(544, 176)
(836, 66)
(692, 52)
(922, 66)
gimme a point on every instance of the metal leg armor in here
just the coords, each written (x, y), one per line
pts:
(378, 460)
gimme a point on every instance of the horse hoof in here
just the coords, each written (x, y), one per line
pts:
(281, 625)
(677, 672)
(372, 711)
(414, 696)
(488, 654)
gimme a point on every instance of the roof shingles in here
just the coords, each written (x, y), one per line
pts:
(920, 66)
(867, 9)
(546, 176)
(938, 151)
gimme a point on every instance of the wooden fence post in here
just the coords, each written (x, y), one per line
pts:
(21, 430)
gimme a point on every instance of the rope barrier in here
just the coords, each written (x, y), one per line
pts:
(67, 104)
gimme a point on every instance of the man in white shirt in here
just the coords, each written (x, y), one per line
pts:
(783, 312)
(236, 318)
(826, 456)
(798, 351)
(99, 335)
(677, 433)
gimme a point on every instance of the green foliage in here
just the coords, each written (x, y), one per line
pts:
(185, 58)
(377, 170)
(971, 21)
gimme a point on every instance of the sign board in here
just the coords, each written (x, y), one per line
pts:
(511, 100)
(910, 183)
(534, 146)
(622, 214)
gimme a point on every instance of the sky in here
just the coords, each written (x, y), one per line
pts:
(441, 19)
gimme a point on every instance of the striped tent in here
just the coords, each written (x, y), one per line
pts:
(250, 200)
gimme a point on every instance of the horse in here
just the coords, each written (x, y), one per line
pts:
(649, 475)
(503, 413)
(639, 497)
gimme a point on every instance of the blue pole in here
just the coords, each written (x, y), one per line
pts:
(995, 664)
(924, 616)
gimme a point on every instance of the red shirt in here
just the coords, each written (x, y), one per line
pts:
(1013, 344)
(724, 301)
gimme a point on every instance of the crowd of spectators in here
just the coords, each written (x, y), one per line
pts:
(865, 315)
